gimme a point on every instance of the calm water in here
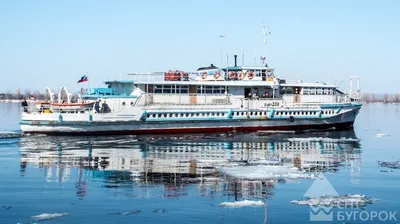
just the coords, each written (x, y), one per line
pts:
(177, 179)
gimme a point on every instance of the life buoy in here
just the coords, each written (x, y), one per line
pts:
(204, 75)
(291, 119)
(250, 75)
(217, 75)
(232, 75)
(241, 75)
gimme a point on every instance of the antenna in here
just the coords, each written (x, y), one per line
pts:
(242, 57)
(265, 39)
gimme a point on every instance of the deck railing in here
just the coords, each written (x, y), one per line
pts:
(148, 99)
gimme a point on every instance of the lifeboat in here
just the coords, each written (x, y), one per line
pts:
(71, 106)
(42, 105)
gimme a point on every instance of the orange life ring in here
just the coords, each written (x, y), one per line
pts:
(250, 75)
(217, 75)
(204, 75)
(241, 75)
(232, 75)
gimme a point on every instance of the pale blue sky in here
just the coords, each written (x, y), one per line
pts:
(53, 43)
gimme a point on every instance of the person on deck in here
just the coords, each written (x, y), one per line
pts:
(255, 96)
(97, 106)
(105, 108)
(24, 105)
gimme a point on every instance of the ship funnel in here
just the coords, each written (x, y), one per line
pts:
(235, 59)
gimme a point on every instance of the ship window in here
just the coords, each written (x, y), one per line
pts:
(212, 114)
(148, 115)
(154, 115)
(170, 115)
(286, 113)
(131, 103)
(165, 115)
(251, 113)
(223, 114)
(159, 115)
(123, 103)
(176, 115)
(212, 89)
(197, 114)
(242, 113)
(187, 115)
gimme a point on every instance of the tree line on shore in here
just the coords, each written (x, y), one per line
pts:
(27, 94)
(37, 95)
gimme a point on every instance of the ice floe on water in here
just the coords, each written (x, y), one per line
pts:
(380, 135)
(265, 172)
(48, 216)
(324, 139)
(126, 213)
(347, 200)
(10, 134)
(389, 164)
(244, 203)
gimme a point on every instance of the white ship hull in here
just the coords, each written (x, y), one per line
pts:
(135, 125)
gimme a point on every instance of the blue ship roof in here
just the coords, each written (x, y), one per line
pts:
(118, 81)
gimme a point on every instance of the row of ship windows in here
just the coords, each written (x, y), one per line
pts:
(303, 112)
(257, 113)
(186, 115)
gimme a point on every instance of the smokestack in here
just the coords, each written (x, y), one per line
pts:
(235, 59)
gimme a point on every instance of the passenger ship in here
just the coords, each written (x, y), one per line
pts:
(212, 99)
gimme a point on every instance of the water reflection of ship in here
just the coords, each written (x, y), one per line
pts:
(176, 163)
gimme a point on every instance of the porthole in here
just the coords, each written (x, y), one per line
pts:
(187, 115)
(159, 115)
(131, 103)
(197, 115)
(154, 115)
(170, 115)
(212, 114)
(251, 113)
(223, 114)
(148, 115)
(165, 115)
(242, 113)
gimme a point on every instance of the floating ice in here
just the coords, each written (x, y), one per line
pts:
(126, 213)
(317, 139)
(389, 164)
(380, 135)
(47, 216)
(265, 172)
(348, 200)
(10, 134)
(237, 204)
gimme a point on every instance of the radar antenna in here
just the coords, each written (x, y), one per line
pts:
(265, 34)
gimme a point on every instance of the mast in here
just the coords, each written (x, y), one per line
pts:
(265, 42)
